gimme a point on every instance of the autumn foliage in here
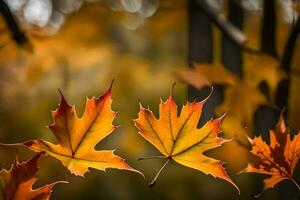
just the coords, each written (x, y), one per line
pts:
(77, 137)
(277, 159)
(245, 53)
(179, 139)
(176, 137)
(17, 182)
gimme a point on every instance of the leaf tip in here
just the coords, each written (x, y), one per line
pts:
(140, 104)
(209, 95)
(58, 182)
(281, 123)
(111, 85)
(236, 187)
(172, 90)
(63, 102)
(221, 118)
(259, 195)
(137, 171)
(250, 140)
(241, 171)
(116, 126)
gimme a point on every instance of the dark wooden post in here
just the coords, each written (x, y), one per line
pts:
(266, 117)
(283, 88)
(200, 41)
(268, 30)
(231, 52)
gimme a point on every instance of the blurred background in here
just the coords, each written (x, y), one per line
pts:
(248, 50)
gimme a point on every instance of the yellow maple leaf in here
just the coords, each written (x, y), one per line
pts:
(233, 128)
(241, 101)
(77, 137)
(179, 139)
(264, 68)
(242, 96)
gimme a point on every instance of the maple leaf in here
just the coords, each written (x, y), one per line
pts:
(264, 68)
(17, 182)
(241, 98)
(243, 107)
(77, 137)
(277, 159)
(240, 103)
(179, 139)
(261, 68)
(206, 75)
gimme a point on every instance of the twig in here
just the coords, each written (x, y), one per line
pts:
(18, 36)
(236, 35)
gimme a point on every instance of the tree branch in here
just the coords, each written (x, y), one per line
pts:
(236, 35)
(18, 36)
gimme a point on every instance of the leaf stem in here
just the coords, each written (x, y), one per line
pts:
(151, 184)
(172, 90)
(151, 157)
(12, 145)
(295, 183)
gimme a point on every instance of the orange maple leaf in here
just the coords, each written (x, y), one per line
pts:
(204, 74)
(179, 139)
(77, 137)
(17, 183)
(277, 159)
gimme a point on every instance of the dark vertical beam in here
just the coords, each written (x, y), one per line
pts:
(266, 117)
(227, 28)
(283, 88)
(231, 52)
(268, 30)
(282, 93)
(290, 47)
(200, 45)
(200, 35)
